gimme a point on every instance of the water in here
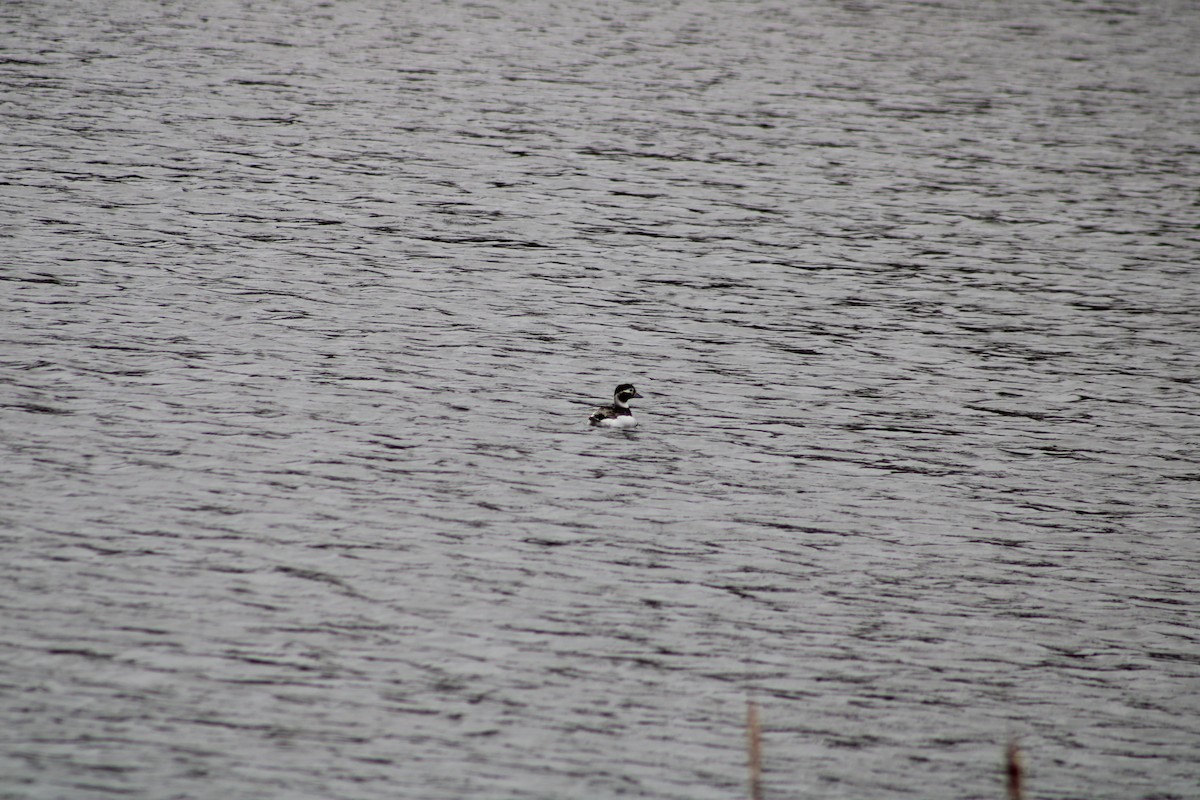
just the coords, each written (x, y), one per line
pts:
(305, 306)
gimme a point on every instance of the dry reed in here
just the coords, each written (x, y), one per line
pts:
(1012, 765)
(754, 749)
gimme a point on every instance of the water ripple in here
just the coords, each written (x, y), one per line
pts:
(306, 306)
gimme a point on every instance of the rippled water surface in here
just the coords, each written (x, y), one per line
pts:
(305, 305)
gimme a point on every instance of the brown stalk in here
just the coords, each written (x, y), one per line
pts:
(754, 749)
(1012, 764)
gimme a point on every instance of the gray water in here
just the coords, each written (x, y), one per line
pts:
(305, 305)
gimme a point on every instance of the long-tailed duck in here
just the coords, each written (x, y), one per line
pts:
(619, 414)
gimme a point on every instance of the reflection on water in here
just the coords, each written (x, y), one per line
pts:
(306, 306)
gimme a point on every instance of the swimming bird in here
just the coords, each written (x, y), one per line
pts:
(619, 414)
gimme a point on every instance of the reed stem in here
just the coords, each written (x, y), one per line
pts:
(1012, 764)
(754, 749)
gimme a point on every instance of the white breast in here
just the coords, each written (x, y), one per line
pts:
(623, 421)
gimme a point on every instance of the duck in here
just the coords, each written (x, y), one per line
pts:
(619, 414)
